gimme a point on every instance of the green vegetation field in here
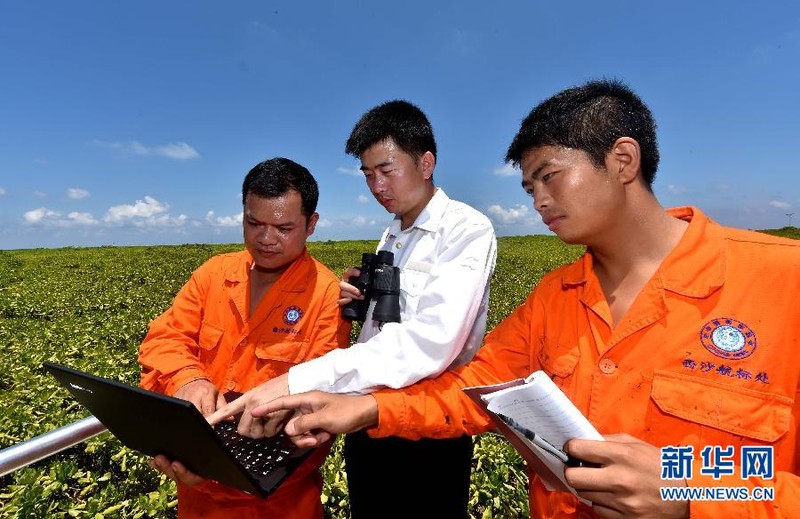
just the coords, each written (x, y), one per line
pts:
(89, 308)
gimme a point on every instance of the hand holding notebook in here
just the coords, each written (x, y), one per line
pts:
(538, 419)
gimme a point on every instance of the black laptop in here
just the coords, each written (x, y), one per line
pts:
(153, 424)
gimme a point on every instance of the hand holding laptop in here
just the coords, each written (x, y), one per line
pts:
(203, 394)
(207, 399)
(175, 471)
(169, 429)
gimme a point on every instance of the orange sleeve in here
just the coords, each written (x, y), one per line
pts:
(329, 331)
(438, 408)
(169, 353)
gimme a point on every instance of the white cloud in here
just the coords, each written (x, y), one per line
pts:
(779, 204)
(506, 170)
(82, 218)
(162, 221)
(363, 199)
(40, 194)
(75, 193)
(134, 148)
(50, 218)
(148, 213)
(675, 190)
(171, 150)
(363, 221)
(144, 213)
(510, 216)
(324, 222)
(39, 215)
(177, 151)
(356, 172)
(147, 209)
(224, 221)
(2, 191)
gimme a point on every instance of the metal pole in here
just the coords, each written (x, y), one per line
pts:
(35, 449)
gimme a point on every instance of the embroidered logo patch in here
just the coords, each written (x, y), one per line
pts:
(728, 338)
(291, 315)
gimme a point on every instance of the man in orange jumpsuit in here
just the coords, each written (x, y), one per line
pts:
(671, 331)
(244, 318)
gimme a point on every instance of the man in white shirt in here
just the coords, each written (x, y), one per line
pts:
(446, 253)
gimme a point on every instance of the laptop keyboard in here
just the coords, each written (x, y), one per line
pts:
(258, 456)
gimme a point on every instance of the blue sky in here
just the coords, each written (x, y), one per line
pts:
(134, 123)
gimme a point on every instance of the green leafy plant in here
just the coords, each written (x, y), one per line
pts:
(90, 307)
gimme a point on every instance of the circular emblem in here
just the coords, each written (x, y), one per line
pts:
(728, 338)
(292, 314)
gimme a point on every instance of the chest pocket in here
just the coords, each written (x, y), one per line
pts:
(413, 279)
(723, 408)
(286, 351)
(210, 336)
(557, 358)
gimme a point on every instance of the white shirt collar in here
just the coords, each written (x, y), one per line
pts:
(428, 219)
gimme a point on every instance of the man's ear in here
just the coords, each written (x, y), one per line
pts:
(624, 160)
(311, 224)
(427, 164)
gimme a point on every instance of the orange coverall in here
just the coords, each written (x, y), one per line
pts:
(207, 334)
(707, 355)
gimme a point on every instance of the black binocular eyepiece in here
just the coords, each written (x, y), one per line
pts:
(379, 279)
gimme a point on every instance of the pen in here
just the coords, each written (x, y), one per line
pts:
(545, 445)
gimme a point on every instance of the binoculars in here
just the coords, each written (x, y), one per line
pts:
(380, 280)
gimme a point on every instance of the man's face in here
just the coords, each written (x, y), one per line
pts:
(275, 229)
(576, 200)
(397, 181)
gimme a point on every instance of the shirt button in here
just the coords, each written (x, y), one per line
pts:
(607, 366)
(398, 245)
(231, 385)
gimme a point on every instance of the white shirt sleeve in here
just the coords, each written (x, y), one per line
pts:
(445, 305)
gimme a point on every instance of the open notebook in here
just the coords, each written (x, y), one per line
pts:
(153, 424)
(538, 419)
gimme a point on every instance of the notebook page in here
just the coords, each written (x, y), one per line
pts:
(542, 407)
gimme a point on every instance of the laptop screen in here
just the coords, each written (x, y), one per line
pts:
(153, 424)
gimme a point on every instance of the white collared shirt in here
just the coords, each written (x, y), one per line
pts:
(446, 262)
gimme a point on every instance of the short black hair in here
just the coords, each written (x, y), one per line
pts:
(398, 120)
(276, 177)
(591, 118)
